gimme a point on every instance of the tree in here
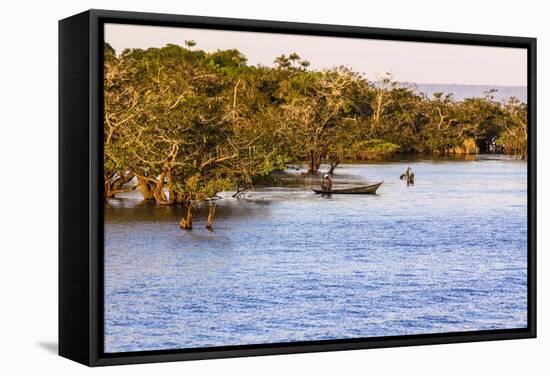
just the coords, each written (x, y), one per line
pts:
(229, 61)
(122, 102)
(190, 44)
(282, 62)
(315, 107)
(513, 136)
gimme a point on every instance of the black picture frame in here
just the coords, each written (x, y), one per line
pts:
(80, 165)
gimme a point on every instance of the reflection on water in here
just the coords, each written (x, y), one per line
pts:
(284, 264)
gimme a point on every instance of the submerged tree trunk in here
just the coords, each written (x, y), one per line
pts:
(211, 213)
(314, 162)
(333, 166)
(146, 188)
(154, 189)
(113, 183)
(316, 156)
(239, 191)
(107, 191)
(159, 193)
(179, 198)
(186, 223)
(311, 165)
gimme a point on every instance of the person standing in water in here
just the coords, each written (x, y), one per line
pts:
(326, 184)
(408, 176)
(408, 173)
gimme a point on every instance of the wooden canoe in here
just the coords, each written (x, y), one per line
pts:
(362, 190)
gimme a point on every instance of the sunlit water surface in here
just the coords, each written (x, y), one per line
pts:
(283, 264)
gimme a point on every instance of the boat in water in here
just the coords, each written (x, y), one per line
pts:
(361, 190)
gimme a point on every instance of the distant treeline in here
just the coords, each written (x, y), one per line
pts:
(188, 123)
(464, 91)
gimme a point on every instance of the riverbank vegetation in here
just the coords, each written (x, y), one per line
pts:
(187, 124)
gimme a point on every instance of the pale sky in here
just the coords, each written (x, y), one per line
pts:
(407, 61)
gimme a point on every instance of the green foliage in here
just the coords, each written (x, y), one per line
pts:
(227, 60)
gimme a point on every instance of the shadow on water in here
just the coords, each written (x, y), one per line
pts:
(116, 210)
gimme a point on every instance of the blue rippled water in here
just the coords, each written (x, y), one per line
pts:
(447, 254)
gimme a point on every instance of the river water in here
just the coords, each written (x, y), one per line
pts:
(283, 264)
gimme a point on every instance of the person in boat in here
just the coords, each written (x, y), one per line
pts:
(326, 184)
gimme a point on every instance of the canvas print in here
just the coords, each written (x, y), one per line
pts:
(265, 188)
